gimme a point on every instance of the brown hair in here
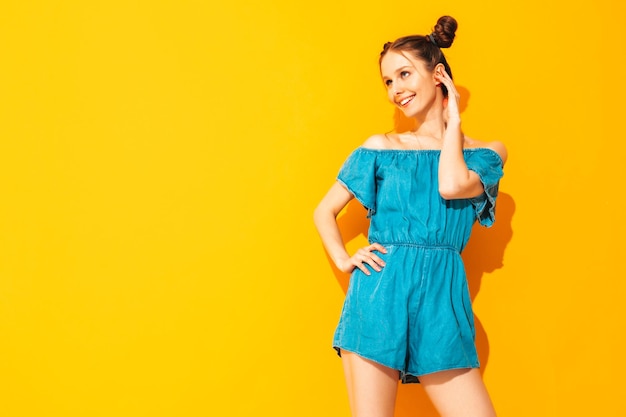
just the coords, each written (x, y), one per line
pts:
(427, 47)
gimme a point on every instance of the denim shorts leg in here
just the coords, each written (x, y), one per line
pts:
(371, 324)
(441, 321)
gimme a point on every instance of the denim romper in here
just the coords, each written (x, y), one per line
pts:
(415, 315)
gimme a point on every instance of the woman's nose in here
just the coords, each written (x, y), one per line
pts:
(398, 88)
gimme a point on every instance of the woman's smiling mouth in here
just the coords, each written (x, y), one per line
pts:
(406, 100)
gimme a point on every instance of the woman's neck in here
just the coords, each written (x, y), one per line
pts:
(432, 126)
(432, 123)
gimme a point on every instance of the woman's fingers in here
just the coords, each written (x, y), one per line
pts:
(378, 247)
(367, 256)
(363, 258)
(445, 79)
(453, 95)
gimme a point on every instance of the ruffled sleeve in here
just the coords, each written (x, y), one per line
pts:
(488, 165)
(358, 175)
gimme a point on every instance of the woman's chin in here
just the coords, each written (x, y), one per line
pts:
(408, 112)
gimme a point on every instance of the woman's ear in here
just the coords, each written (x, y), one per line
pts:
(438, 72)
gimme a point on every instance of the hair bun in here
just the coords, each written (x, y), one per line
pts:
(444, 30)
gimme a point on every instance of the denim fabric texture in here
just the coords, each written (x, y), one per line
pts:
(415, 315)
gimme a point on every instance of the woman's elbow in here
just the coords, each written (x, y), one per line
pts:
(450, 190)
(317, 213)
(451, 184)
(458, 191)
(320, 213)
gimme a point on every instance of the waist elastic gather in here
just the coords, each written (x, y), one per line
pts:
(422, 246)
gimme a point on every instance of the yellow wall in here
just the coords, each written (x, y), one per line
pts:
(160, 161)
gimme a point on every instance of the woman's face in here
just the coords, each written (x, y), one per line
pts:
(410, 85)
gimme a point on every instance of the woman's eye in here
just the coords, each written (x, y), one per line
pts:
(405, 74)
(387, 83)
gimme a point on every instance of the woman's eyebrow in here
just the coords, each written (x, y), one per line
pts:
(399, 70)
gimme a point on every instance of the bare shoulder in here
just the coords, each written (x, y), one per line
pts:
(376, 142)
(496, 146)
(499, 148)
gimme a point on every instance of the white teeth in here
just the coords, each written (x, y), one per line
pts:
(406, 100)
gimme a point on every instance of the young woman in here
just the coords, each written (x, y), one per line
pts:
(407, 311)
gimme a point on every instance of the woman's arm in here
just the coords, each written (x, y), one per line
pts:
(325, 218)
(455, 180)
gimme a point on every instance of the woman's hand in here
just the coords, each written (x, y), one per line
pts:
(364, 256)
(453, 115)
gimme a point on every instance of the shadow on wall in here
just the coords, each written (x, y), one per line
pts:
(484, 253)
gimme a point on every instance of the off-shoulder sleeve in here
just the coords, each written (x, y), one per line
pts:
(358, 175)
(488, 165)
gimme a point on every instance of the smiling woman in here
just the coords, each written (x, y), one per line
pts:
(407, 311)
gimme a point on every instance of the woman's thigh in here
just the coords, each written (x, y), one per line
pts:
(458, 393)
(371, 387)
